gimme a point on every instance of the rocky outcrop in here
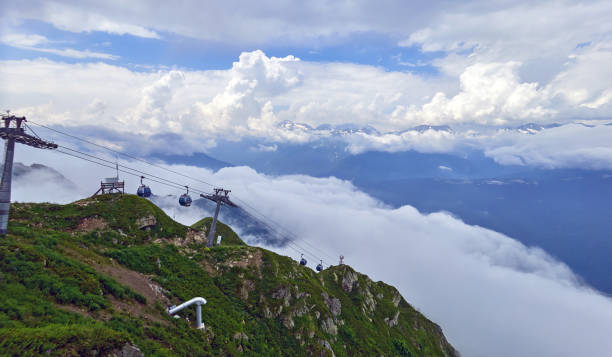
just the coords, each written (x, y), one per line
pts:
(328, 325)
(327, 346)
(348, 281)
(392, 322)
(334, 305)
(246, 288)
(146, 222)
(90, 224)
(192, 236)
(301, 311)
(282, 292)
(241, 336)
(127, 350)
(288, 321)
(195, 236)
(369, 303)
(396, 297)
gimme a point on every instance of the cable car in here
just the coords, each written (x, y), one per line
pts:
(303, 260)
(320, 266)
(185, 199)
(143, 190)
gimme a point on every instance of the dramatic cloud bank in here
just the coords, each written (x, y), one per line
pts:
(491, 93)
(486, 290)
(283, 99)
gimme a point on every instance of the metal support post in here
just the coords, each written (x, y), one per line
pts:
(220, 197)
(213, 226)
(199, 323)
(13, 132)
(5, 185)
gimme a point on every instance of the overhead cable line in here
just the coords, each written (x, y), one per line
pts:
(107, 163)
(121, 153)
(148, 175)
(290, 233)
(32, 130)
(287, 234)
(291, 242)
(120, 170)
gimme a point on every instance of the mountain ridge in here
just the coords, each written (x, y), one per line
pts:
(95, 278)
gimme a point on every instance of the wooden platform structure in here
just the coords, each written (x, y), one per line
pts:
(111, 185)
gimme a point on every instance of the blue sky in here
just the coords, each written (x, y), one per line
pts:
(176, 51)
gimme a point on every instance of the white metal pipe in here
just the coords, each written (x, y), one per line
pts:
(199, 323)
(198, 301)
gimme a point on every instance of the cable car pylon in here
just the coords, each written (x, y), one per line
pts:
(221, 196)
(289, 236)
(12, 132)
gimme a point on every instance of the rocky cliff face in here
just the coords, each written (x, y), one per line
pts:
(95, 278)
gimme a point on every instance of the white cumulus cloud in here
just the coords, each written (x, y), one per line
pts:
(491, 93)
(270, 97)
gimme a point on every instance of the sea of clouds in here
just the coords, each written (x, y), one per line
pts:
(495, 66)
(492, 295)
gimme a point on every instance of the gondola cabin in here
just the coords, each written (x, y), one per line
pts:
(185, 199)
(320, 266)
(143, 190)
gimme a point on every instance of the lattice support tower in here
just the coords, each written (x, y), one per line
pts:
(14, 132)
(220, 197)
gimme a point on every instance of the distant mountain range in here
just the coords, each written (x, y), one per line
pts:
(348, 129)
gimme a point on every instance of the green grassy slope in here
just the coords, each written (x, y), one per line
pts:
(229, 237)
(95, 276)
